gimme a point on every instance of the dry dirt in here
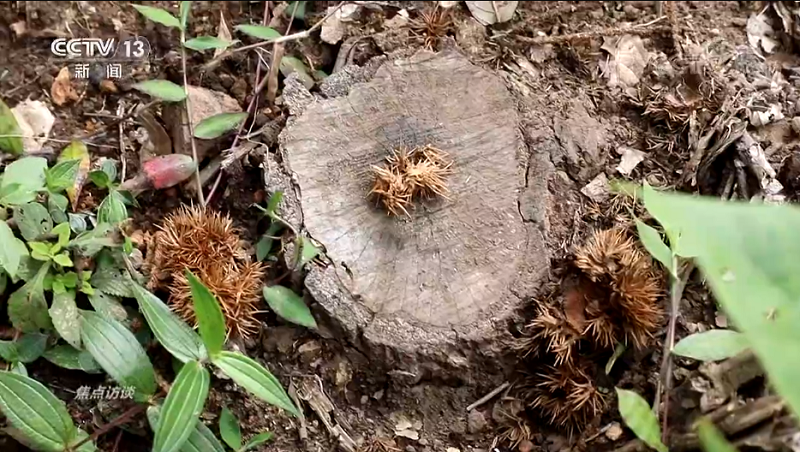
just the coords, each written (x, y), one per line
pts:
(571, 125)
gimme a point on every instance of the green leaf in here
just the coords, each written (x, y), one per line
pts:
(651, 240)
(640, 418)
(65, 317)
(112, 210)
(290, 65)
(713, 345)
(252, 376)
(259, 31)
(163, 89)
(62, 231)
(202, 43)
(28, 267)
(19, 369)
(62, 175)
(184, 10)
(174, 334)
(100, 178)
(307, 252)
(748, 254)
(91, 242)
(229, 429)
(33, 220)
(14, 195)
(217, 125)
(289, 306)
(9, 126)
(210, 320)
(77, 222)
(202, 439)
(108, 306)
(58, 287)
(70, 279)
(63, 259)
(296, 10)
(12, 251)
(86, 447)
(77, 150)
(618, 351)
(274, 202)
(158, 15)
(27, 307)
(182, 407)
(113, 281)
(40, 247)
(68, 357)
(263, 247)
(127, 245)
(711, 439)
(30, 347)
(109, 167)
(118, 352)
(38, 414)
(257, 440)
(57, 206)
(27, 172)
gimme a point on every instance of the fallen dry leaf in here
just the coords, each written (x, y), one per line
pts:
(62, 90)
(35, 121)
(19, 28)
(630, 159)
(761, 35)
(223, 33)
(489, 13)
(628, 60)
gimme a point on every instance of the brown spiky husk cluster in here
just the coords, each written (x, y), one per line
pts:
(411, 175)
(207, 244)
(614, 298)
(432, 24)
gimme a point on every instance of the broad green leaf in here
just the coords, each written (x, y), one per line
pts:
(259, 31)
(70, 279)
(91, 242)
(77, 150)
(202, 43)
(112, 210)
(640, 418)
(9, 126)
(681, 244)
(26, 349)
(163, 89)
(290, 65)
(748, 253)
(57, 286)
(713, 345)
(15, 195)
(109, 167)
(182, 407)
(19, 369)
(65, 317)
(86, 447)
(12, 250)
(210, 320)
(69, 357)
(28, 267)
(27, 172)
(307, 252)
(57, 207)
(118, 352)
(217, 125)
(33, 220)
(40, 248)
(174, 334)
(35, 412)
(62, 231)
(289, 306)
(184, 10)
(62, 175)
(296, 9)
(112, 280)
(202, 439)
(711, 439)
(108, 306)
(229, 429)
(8, 351)
(252, 376)
(63, 259)
(100, 178)
(158, 15)
(257, 440)
(77, 222)
(651, 240)
(27, 307)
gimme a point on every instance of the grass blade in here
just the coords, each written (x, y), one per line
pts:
(217, 125)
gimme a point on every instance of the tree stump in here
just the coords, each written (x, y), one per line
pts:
(437, 286)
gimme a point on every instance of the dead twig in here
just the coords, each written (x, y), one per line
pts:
(131, 113)
(488, 396)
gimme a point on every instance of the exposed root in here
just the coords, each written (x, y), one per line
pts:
(207, 244)
(411, 175)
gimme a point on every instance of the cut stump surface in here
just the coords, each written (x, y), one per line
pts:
(456, 267)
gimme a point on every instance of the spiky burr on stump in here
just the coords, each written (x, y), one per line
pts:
(415, 284)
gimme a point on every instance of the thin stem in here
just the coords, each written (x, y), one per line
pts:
(121, 419)
(200, 194)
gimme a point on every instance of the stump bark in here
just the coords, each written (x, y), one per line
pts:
(438, 287)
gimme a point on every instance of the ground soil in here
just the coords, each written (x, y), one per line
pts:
(557, 86)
